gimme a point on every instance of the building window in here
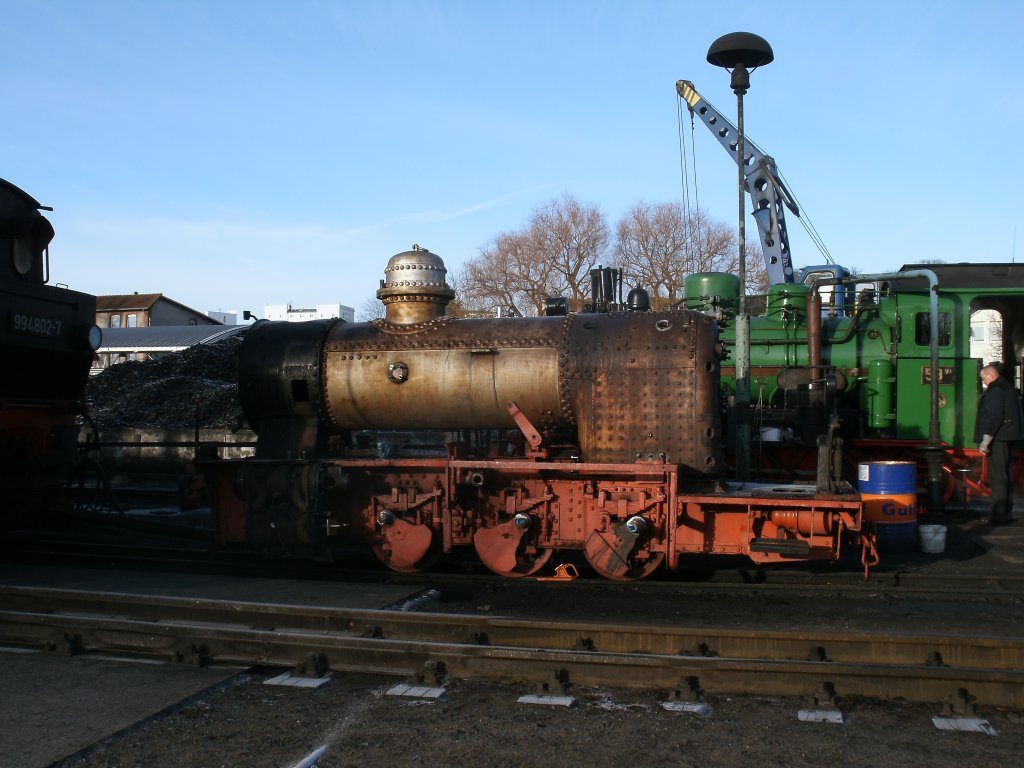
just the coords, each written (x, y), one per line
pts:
(131, 320)
(115, 321)
(977, 333)
(192, 321)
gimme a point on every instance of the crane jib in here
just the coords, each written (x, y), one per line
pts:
(761, 181)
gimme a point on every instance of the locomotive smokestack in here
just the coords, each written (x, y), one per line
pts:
(605, 283)
(414, 289)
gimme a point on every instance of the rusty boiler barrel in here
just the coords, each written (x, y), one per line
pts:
(630, 385)
(888, 491)
(444, 374)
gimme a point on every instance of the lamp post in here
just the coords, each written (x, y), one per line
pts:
(741, 52)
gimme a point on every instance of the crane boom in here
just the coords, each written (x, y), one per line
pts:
(761, 180)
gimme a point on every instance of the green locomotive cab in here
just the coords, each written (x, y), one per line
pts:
(875, 353)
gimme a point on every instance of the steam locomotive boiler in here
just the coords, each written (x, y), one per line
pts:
(611, 440)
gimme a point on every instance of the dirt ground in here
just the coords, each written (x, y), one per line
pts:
(247, 723)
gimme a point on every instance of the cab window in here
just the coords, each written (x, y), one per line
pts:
(922, 323)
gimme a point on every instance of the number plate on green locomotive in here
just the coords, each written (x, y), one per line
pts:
(947, 374)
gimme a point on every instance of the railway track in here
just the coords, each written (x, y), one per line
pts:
(902, 581)
(923, 667)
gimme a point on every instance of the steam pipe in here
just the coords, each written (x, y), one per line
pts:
(814, 333)
(848, 334)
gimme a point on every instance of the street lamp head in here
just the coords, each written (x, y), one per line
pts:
(740, 52)
(740, 49)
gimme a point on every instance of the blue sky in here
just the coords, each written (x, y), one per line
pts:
(232, 154)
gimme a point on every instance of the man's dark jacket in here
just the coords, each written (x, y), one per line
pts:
(999, 413)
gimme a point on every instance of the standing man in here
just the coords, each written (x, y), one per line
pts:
(998, 425)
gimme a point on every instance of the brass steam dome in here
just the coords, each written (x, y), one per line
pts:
(414, 289)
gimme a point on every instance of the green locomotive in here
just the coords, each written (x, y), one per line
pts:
(875, 347)
(884, 366)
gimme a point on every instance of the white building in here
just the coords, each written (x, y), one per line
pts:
(228, 318)
(987, 335)
(319, 312)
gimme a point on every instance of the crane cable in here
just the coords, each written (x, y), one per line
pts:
(685, 181)
(805, 222)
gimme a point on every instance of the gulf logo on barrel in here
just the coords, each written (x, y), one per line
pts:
(896, 508)
(890, 509)
(888, 494)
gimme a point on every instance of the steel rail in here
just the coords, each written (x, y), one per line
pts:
(930, 668)
(735, 580)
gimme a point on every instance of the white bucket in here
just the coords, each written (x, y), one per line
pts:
(933, 538)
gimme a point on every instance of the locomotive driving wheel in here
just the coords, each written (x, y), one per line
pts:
(90, 489)
(508, 549)
(407, 547)
(615, 554)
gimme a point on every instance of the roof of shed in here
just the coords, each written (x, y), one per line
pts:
(164, 338)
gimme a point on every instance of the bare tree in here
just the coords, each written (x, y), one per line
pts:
(551, 256)
(658, 246)
(371, 309)
(758, 281)
(508, 277)
(651, 249)
(574, 237)
(457, 306)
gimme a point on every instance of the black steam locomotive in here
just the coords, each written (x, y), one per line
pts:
(48, 338)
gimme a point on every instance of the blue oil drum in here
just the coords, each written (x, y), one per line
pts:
(888, 492)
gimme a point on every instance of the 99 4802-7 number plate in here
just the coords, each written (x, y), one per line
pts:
(35, 325)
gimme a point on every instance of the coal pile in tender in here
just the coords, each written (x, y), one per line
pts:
(173, 391)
